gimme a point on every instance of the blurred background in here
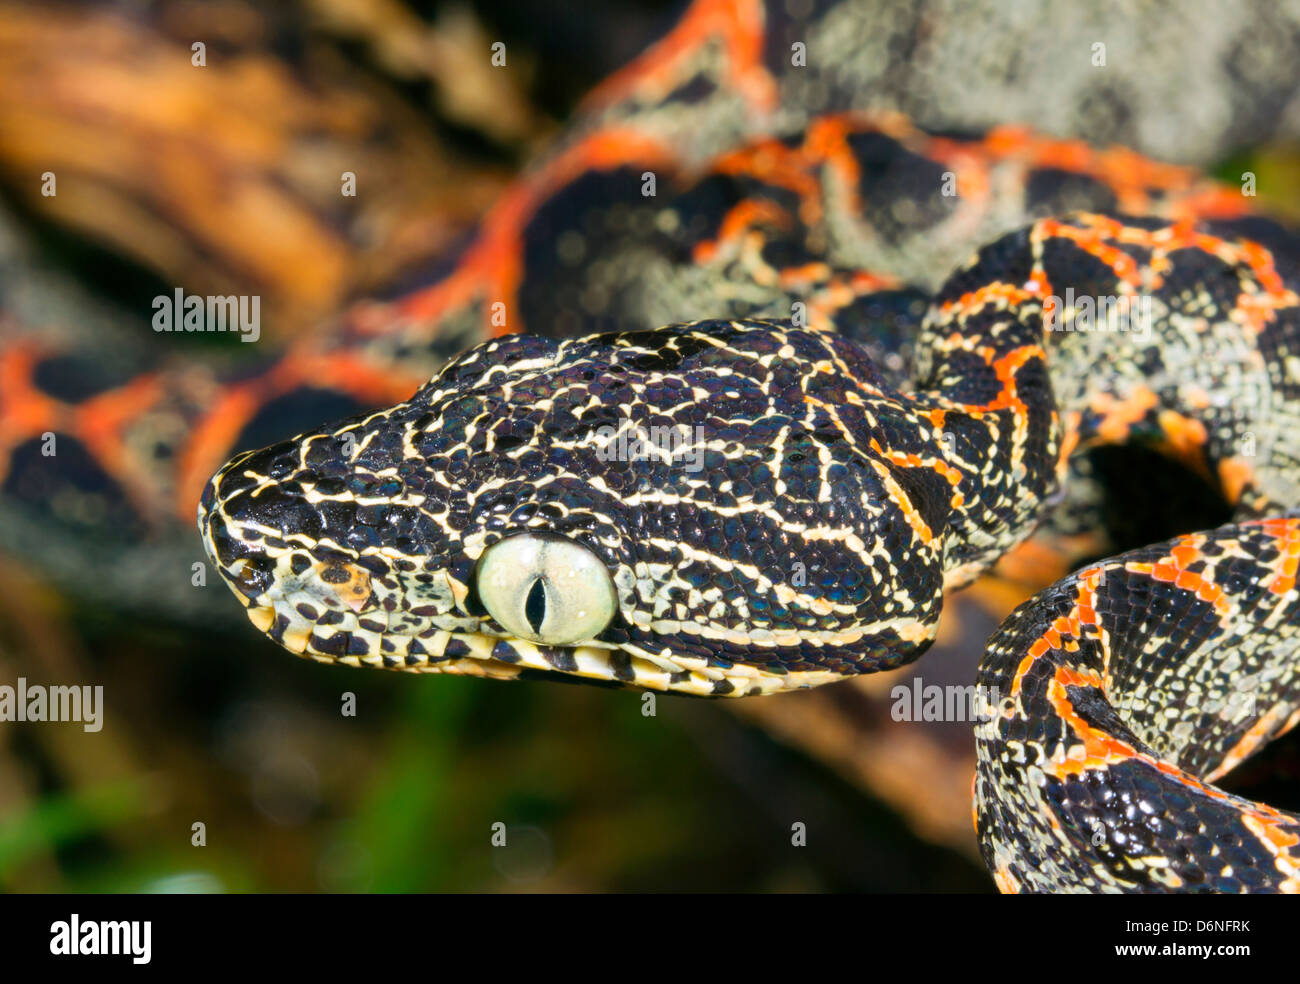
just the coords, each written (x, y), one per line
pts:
(226, 181)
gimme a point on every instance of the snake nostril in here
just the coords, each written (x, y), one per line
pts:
(254, 575)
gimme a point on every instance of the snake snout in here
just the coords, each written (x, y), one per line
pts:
(242, 518)
(269, 524)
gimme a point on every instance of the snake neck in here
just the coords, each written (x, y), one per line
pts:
(1098, 330)
(983, 381)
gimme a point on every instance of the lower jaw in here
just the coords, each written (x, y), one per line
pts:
(496, 658)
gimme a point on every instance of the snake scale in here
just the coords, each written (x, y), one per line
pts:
(871, 417)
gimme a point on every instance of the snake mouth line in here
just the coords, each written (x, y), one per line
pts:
(503, 658)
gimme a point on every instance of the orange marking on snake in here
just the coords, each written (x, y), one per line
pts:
(1181, 234)
(737, 25)
(1235, 476)
(827, 143)
(1095, 239)
(219, 427)
(1129, 175)
(1266, 824)
(1071, 625)
(1007, 294)
(100, 422)
(772, 162)
(1212, 201)
(1286, 533)
(904, 503)
(1185, 439)
(1256, 311)
(25, 411)
(1261, 262)
(1173, 570)
(804, 276)
(910, 460)
(491, 269)
(1006, 368)
(1185, 436)
(1006, 882)
(1119, 413)
(738, 221)
(970, 169)
(1254, 738)
(1101, 750)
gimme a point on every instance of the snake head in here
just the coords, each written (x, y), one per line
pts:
(701, 508)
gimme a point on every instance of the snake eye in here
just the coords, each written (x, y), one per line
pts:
(546, 589)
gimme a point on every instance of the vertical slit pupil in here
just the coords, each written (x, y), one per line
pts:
(535, 606)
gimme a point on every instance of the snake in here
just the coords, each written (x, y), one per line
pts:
(800, 516)
(916, 341)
